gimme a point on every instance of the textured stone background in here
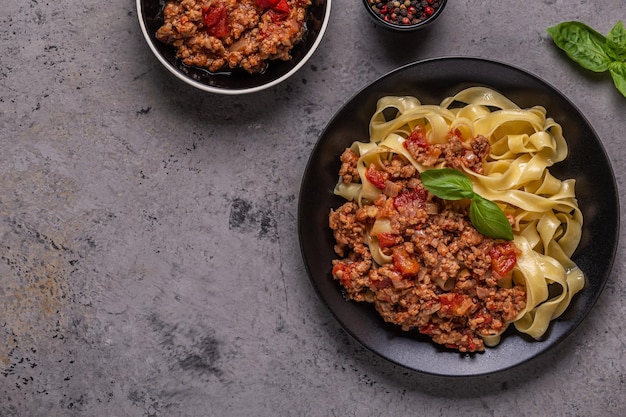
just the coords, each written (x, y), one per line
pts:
(150, 262)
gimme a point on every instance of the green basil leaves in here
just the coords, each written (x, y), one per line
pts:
(616, 42)
(618, 72)
(594, 51)
(582, 44)
(489, 219)
(485, 215)
(447, 183)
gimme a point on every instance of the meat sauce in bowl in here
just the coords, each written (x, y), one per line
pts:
(220, 35)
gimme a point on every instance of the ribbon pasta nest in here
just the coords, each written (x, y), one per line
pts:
(420, 257)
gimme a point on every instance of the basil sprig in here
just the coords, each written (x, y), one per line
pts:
(485, 215)
(594, 51)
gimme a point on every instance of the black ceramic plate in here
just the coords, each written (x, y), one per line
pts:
(239, 81)
(431, 81)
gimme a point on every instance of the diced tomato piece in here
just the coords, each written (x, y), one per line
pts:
(451, 299)
(279, 9)
(417, 139)
(343, 272)
(503, 258)
(386, 240)
(411, 198)
(456, 304)
(277, 16)
(221, 29)
(340, 269)
(266, 3)
(211, 15)
(403, 262)
(215, 19)
(282, 7)
(376, 177)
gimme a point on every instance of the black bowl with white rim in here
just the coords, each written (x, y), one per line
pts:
(237, 81)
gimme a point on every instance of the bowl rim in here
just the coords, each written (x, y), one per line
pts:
(405, 28)
(219, 90)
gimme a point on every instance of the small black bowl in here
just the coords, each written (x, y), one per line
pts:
(422, 21)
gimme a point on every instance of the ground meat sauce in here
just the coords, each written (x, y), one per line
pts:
(445, 277)
(220, 35)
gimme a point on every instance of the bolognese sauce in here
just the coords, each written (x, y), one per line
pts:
(443, 277)
(220, 35)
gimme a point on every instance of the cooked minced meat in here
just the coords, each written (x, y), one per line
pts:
(441, 280)
(225, 34)
(454, 151)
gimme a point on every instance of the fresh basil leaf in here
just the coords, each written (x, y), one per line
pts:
(447, 183)
(489, 219)
(582, 44)
(485, 215)
(618, 73)
(616, 42)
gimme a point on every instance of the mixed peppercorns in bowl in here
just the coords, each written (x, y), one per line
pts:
(404, 15)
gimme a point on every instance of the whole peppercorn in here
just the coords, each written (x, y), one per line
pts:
(404, 12)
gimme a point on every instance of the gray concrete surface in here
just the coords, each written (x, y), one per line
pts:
(150, 262)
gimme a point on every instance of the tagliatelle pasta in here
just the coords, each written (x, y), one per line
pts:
(457, 299)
